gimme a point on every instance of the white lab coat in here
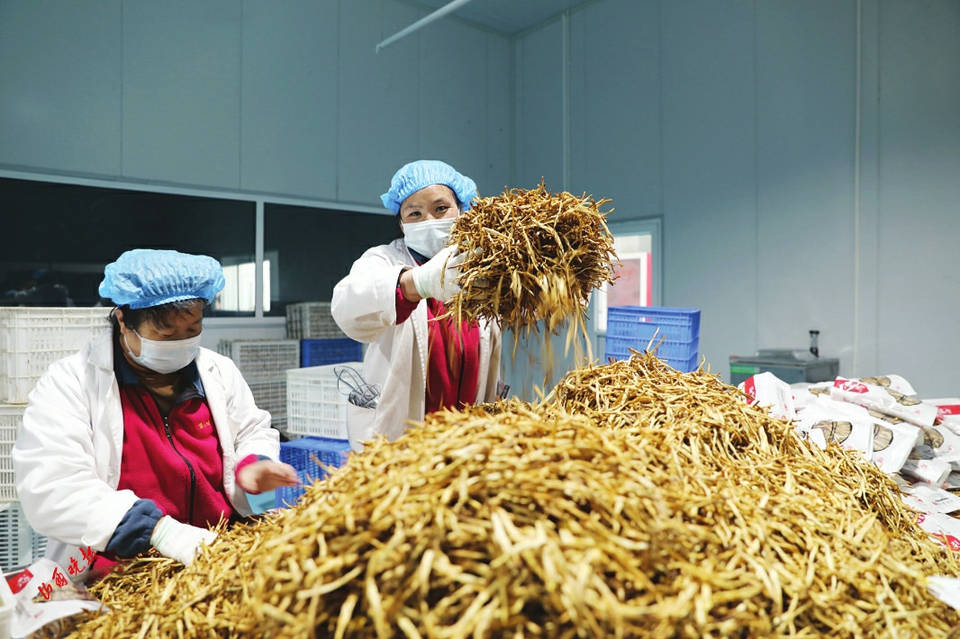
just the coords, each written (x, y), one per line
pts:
(364, 306)
(67, 455)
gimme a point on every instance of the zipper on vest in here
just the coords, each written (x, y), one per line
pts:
(193, 476)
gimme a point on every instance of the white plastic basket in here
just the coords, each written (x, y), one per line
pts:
(315, 404)
(311, 320)
(33, 338)
(20, 546)
(11, 418)
(261, 358)
(271, 396)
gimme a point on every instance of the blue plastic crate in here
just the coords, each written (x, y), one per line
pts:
(299, 453)
(319, 352)
(634, 326)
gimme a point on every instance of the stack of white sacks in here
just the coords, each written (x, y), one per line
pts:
(916, 441)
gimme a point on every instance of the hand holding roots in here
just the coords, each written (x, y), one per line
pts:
(531, 255)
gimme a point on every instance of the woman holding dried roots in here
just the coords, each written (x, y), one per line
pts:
(390, 299)
(143, 439)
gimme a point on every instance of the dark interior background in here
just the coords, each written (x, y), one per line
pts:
(57, 238)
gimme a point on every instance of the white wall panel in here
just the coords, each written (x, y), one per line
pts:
(540, 150)
(539, 119)
(615, 105)
(288, 138)
(452, 97)
(499, 93)
(866, 207)
(378, 108)
(918, 256)
(181, 92)
(709, 170)
(60, 85)
(806, 114)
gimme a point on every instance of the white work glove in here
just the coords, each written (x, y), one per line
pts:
(437, 278)
(179, 541)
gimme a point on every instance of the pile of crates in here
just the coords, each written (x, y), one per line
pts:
(673, 332)
(31, 338)
(321, 340)
(20, 545)
(316, 401)
(317, 413)
(263, 364)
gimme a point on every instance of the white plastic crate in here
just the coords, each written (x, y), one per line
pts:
(20, 546)
(261, 358)
(315, 404)
(11, 418)
(312, 320)
(271, 396)
(33, 338)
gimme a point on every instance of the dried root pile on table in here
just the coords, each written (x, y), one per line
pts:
(635, 502)
(532, 255)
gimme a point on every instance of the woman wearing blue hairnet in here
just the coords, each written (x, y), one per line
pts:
(143, 438)
(391, 297)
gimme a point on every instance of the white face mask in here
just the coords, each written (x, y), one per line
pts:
(166, 356)
(428, 237)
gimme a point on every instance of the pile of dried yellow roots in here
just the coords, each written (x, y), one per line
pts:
(635, 501)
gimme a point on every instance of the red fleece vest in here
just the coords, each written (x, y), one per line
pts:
(453, 356)
(177, 462)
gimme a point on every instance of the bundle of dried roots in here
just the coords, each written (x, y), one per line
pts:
(532, 255)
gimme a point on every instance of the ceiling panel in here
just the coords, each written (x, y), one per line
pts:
(507, 16)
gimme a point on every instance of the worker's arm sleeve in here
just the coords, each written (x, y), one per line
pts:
(246, 461)
(364, 303)
(132, 536)
(404, 308)
(58, 479)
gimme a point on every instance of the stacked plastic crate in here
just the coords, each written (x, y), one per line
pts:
(312, 320)
(304, 455)
(673, 332)
(317, 411)
(263, 364)
(30, 340)
(19, 544)
(316, 401)
(321, 340)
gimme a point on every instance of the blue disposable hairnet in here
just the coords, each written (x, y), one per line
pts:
(147, 277)
(423, 173)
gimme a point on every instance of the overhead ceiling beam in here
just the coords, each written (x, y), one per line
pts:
(436, 15)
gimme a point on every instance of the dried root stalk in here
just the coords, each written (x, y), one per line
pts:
(634, 502)
(532, 255)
